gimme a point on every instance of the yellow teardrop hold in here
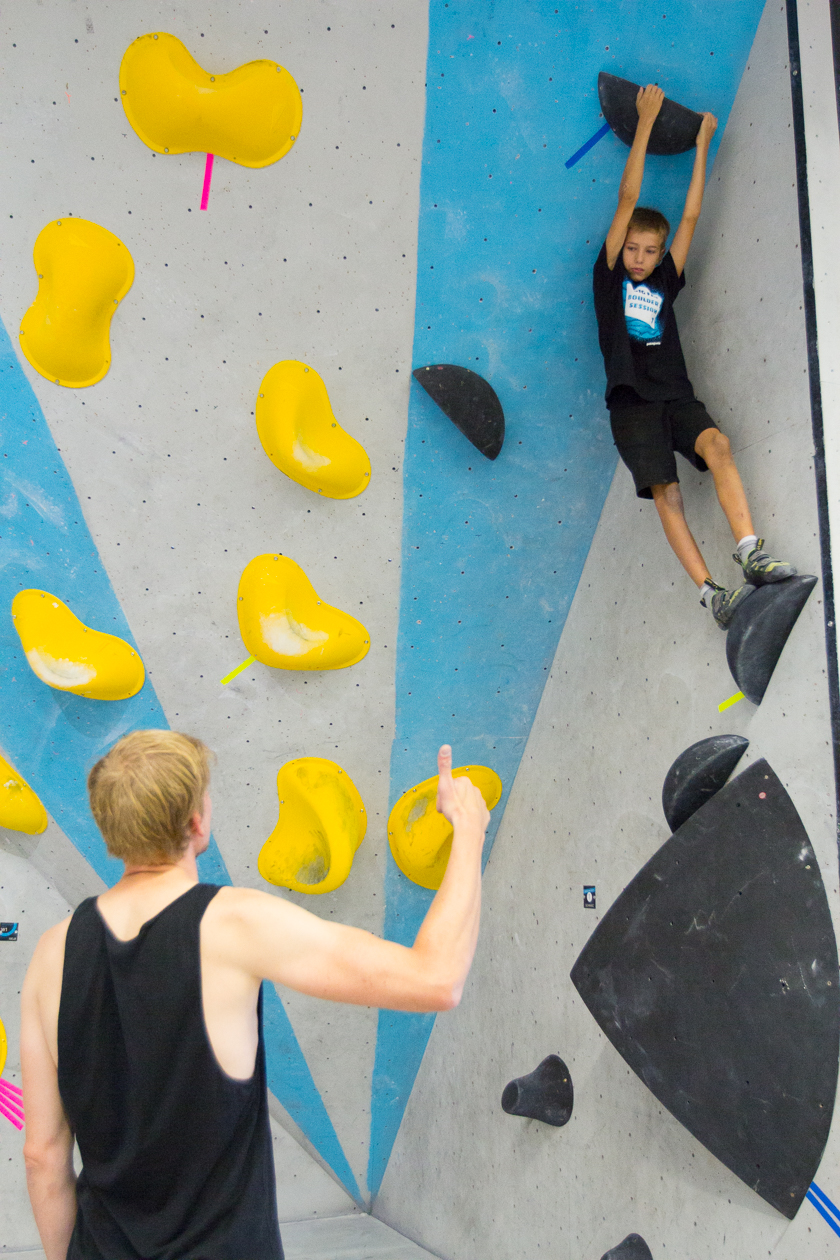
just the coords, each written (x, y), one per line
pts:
(251, 115)
(322, 822)
(283, 622)
(301, 436)
(83, 273)
(420, 837)
(4, 1046)
(20, 807)
(68, 655)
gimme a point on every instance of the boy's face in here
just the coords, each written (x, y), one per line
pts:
(643, 250)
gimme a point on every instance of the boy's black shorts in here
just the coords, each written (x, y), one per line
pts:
(648, 433)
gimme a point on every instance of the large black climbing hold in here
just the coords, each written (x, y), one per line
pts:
(698, 773)
(469, 401)
(634, 1247)
(545, 1094)
(674, 131)
(715, 976)
(759, 630)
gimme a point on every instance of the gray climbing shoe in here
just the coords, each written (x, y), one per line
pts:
(760, 568)
(726, 603)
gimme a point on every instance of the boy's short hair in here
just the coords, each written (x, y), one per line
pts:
(144, 792)
(647, 220)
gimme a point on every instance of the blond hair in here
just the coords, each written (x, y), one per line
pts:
(144, 792)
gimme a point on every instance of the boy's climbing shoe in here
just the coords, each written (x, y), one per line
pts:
(726, 603)
(760, 568)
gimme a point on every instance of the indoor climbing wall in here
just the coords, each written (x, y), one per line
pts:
(305, 452)
(686, 986)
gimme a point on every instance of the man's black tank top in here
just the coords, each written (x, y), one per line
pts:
(177, 1154)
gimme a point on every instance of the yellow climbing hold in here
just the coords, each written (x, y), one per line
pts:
(420, 837)
(322, 822)
(301, 436)
(70, 656)
(251, 115)
(4, 1047)
(284, 623)
(20, 808)
(83, 273)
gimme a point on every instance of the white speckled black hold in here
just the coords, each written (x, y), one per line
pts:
(469, 401)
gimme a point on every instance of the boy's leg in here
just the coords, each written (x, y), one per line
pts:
(669, 504)
(713, 448)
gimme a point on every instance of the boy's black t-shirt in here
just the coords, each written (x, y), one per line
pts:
(638, 332)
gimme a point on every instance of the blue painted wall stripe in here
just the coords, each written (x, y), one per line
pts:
(52, 737)
(492, 552)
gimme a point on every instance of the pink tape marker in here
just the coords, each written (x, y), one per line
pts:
(14, 1105)
(17, 1123)
(6, 1087)
(208, 175)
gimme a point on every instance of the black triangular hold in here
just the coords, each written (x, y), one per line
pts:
(545, 1094)
(634, 1247)
(674, 130)
(469, 401)
(715, 977)
(759, 630)
(698, 773)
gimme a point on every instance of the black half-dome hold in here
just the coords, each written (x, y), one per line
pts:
(759, 630)
(633, 1247)
(470, 402)
(715, 976)
(674, 130)
(698, 773)
(545, 1094)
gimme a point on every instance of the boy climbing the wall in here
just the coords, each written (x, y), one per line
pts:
(653, 410)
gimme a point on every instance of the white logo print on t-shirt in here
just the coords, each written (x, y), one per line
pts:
(641, 311)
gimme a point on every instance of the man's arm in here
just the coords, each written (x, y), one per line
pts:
(48, 1150)
(648, 104)
(275, 940)
(694, 196)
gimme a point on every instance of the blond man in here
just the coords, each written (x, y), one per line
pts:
(141, 1033)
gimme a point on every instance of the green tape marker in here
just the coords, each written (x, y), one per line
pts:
(724, 704)
(238, 670)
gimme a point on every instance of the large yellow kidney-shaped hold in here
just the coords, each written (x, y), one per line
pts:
(251, 115)
(420, 837)
(322, 822)
(83, 273)
(301, 436)
(70, 656)
(20, 807)
(285, 624)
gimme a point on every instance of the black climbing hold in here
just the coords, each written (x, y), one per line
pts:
(759, 630)
(698, 773)
(633, 1247)
(674, 131)
(469, 401)
(715, 976)
(545, 1094)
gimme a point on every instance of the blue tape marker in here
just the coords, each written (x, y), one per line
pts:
(824, 1206)
(590, 144)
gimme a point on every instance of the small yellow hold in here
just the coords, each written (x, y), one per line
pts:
(83, 272)
(283, 623)
(70, 656)
(250, 116)
(4, 1047)
(20, 807)
(420, 837)
(301, 436)
(322, 822)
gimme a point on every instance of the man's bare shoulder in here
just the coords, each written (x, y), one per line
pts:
(47, 964)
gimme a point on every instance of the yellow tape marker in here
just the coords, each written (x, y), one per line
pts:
(724, 704)
(238, 669)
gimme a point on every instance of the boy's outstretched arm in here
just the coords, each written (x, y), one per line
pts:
(694, 196)
(648, 104)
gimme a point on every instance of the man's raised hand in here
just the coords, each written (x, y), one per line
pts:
(708, 127)
(459, 800)
(649, 102)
